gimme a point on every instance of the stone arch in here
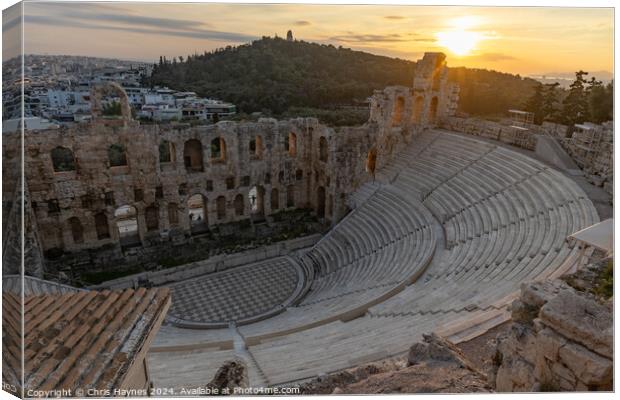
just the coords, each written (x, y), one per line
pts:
(290, 196)
(256, 197)
(77, 231)
(109, 88)
(256, 147)
(197, 212)
(397, 113)
(117, 155)
(167, 153)
(62, 159)
(218, 149)
(239, 205)
(433, 110)
(371, 161)
(275, 199)
(192, 156)
(101, 226)
(418, 108)
(323, 151)
(320, 207)
(220, 205)
(151, 217)
(126, 218)
(291, 144)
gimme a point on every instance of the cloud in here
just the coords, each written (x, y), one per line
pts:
(357, 38)
(491, 57)
(303, 23)
(394, 17)
(428, 40)
(188, 33)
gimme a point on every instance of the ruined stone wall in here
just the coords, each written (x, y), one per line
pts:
(491, 130)
(81, 176)
(561, 340)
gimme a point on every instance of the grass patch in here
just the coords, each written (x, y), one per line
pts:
(605, 282)
(94, 278)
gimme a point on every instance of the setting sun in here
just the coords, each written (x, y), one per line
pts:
(460, 43)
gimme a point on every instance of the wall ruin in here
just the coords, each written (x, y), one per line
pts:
(92, 182)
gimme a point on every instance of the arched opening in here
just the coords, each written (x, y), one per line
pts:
(239, 205)
(173, 214)
(166, 152)
(323, 149)
(218, 149)
(77, 232)
(127, 224)
(329, 206)
(197, 210)
(418, 107)
(320, 208)
(151, 216)
(256, 197)
(433, 110)
(192, 155)
(256, 147)
(275, 199)
(371, 161)
(397, 113)
(291, 144)
(220, 204)
(117, 155)
(290, 196)
(101, 226)
(62, 159)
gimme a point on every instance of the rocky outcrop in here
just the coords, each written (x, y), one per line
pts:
(561, 340)
(231, 375)
(432, 366)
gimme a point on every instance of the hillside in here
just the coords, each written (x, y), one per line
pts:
(273, 75)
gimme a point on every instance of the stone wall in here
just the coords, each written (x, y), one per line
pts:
(501, 131)
(91, 183)
(561, 340)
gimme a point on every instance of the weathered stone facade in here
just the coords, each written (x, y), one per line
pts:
(91, 183)
(561, 340)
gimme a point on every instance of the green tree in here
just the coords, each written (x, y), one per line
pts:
(600, 101)
(535, 104)
(550, 99)
(575, 109)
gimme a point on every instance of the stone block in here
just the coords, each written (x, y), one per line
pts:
(587, 366)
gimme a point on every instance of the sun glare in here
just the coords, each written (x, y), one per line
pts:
(459, 42)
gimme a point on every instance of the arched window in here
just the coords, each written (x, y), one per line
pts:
(323, 149)
(256, 196)
(418, 107)
(62, 159)
(371, 161)
(291, 144)
(76, 230)
(173, 214)
(127, 224)
(192, 155)
(239, 205)
(198, 217)
(218, 149)
(117, 155)
(101, 226)
(397, 113)
(166, 152)
(433, 110)
(220, 204)
(151, 216)
(275, 199)
(290, 196)
(256, 147)
(320, 209)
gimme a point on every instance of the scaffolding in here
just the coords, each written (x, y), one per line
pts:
(586, 144)
(519, 131)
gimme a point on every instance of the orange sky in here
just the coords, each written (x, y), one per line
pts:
(518, 40)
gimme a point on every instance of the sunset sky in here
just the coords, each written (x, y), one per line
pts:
(518, 40)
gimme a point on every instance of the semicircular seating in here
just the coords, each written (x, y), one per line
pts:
(443, 242)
